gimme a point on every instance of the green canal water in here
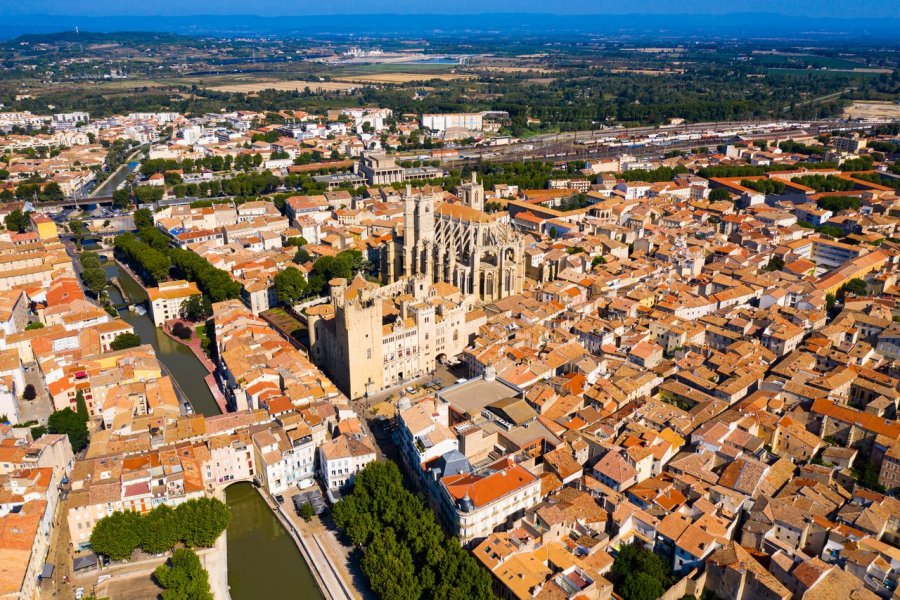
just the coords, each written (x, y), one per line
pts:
(263, 560)
(187, 370)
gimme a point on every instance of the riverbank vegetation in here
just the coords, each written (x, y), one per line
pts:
(405, 553)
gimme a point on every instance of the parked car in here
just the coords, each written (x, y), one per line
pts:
(279, 498)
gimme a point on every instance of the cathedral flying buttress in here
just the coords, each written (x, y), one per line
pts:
(457, 243)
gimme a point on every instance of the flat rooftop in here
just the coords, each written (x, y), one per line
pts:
(474, 395)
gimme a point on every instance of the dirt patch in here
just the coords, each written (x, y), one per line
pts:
(535, 70)
(284, 86)
(133, 588)
(872, 110)
(654, 72)
(400, 78)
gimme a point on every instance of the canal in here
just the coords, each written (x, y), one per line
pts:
(263, 560)
(184, 367)
(109, 186)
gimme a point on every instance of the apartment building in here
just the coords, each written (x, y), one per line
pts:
(167, 300)
(341, 458)
(474, 504)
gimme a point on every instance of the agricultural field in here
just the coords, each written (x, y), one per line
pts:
(786, 59)
(283, 86)
(401, 78)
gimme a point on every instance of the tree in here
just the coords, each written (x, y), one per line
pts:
(641, 586)
(159, 530)
(81, 408)
(34, 325)
(181, 331)
(856, 286)
(29, 393)
(94, 279)
(719, 194)
(639, 574)
(296, 241)
(405, 553)
(121, 199)
(302, 256)
(202, 521)
(290, 285)
(830, 300)
(197, 308)
(143, 218)
(52, 192)
(117, 535)
(148, 194)
(776, 263)
(17, 221)
(183, 577)
(830, 230)
(554, 233)
(125, 340)
(89, 260)
(307, 512)
(67, 422)
(838, 203)
(78, 229)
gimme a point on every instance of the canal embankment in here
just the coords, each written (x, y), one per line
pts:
(180, 363)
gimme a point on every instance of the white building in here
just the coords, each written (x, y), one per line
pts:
(474, 504)
(342, 458)
(444, 121)
(167, 299)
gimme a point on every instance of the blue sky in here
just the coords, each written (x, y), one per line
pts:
(810, 8)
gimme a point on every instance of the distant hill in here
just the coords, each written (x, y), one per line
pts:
(658, 25)
(94, 37)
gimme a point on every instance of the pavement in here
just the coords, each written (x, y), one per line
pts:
(39, 408)
(215, 561)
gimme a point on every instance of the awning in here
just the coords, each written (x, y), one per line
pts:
(47, 571)
(84, 562)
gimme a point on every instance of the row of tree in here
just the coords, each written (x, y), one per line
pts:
(764, 186)
(654, 175)
(405, 554)
(756, 170)
(153, 265)
(216, 284)
(151, 254)
(825, 183)
(195, 523)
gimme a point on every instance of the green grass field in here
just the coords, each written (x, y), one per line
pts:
(805, 60)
